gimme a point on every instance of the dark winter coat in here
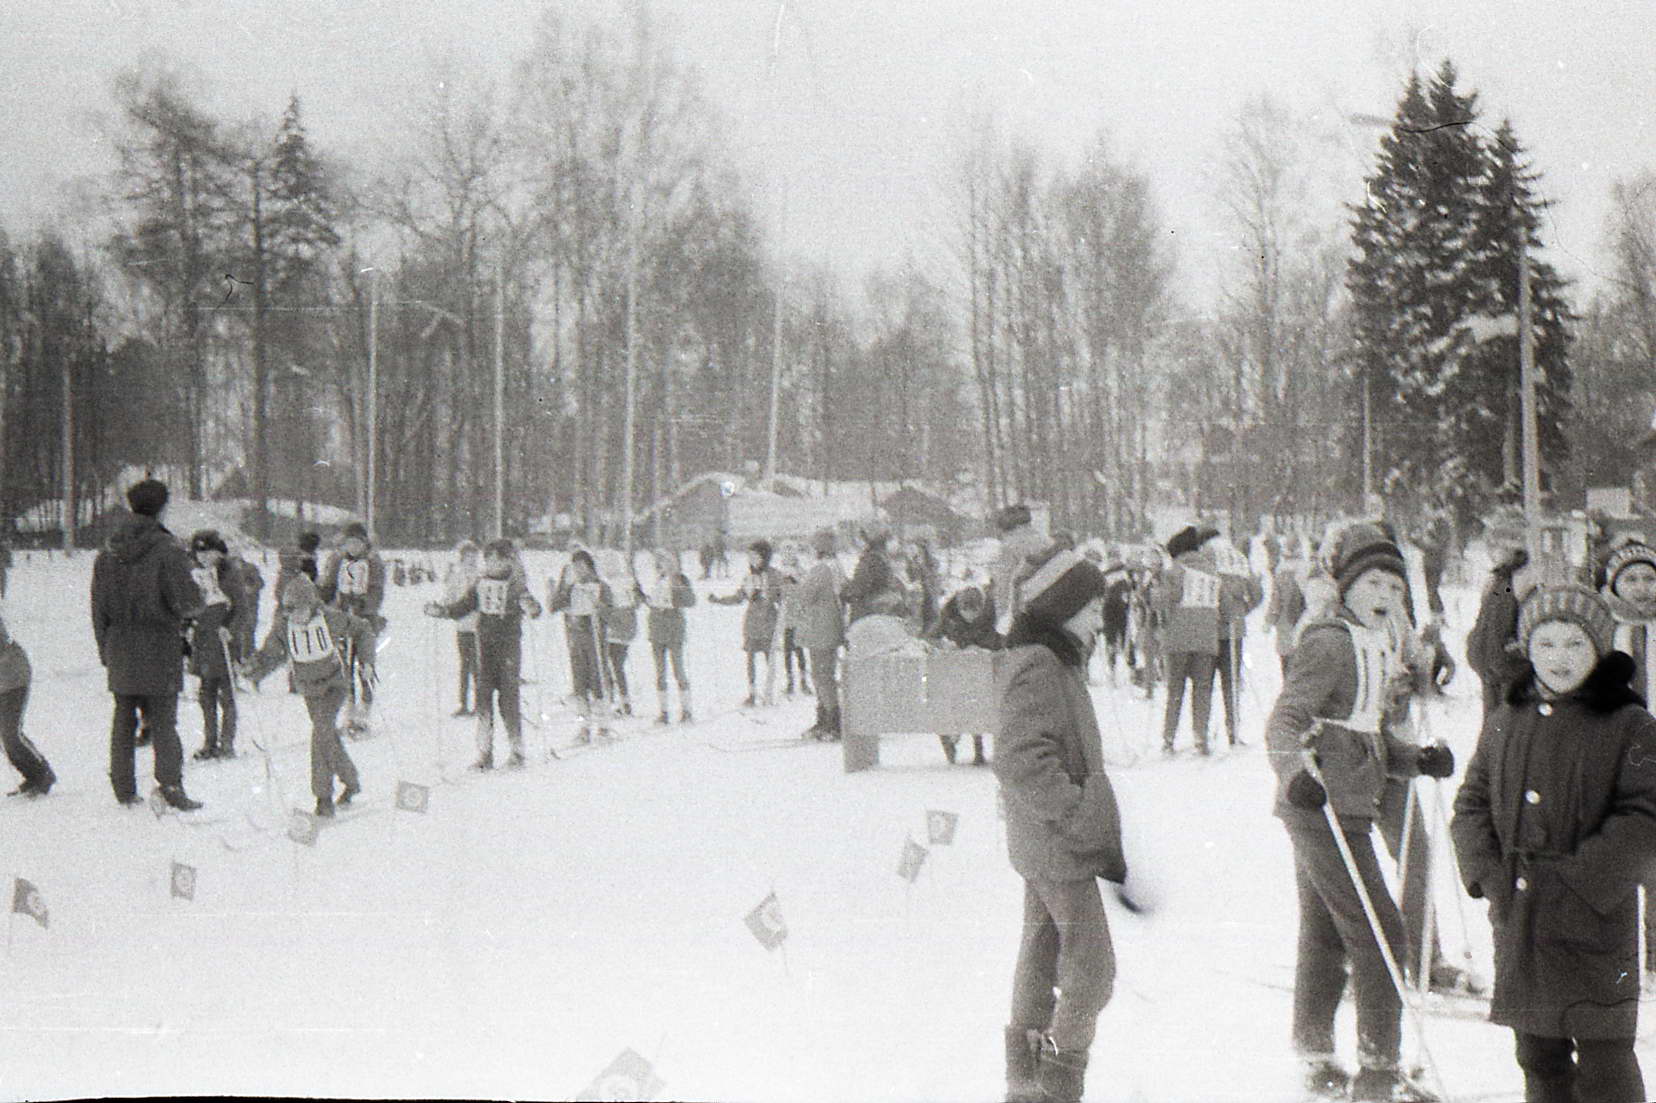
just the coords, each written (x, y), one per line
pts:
(1488, 649)
(315, 650)
(963, 631)
(665, 622)
(1062, 821)
(142, 593)
(620, 623)
(819, 622)
(874, 586)
(1343, 718)
(354, 585)
(15, 672)
(1287, 606)
(499, 605)
(1554, 824)
(762, 591)
(206, 650)
(1187, 599)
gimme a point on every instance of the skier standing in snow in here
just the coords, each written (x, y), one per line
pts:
(245, 631)
(1489, 646)
(25, 757)
(1287, 606)
(791, 650)
(457, 582)
(620, 627)
(1062, 831)
(213, 643)
(667, 627)
(312, 638)
(821, 630)
(761, 592)
(874, 587)
(581, 596)
(1187, 602)
(499, 600)
(142, 595)
(1118, 599)
(1332, 747)
(1240, 593)
(354, 581)
(966, 620)
(1554, 825)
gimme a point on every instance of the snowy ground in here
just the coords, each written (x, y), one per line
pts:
(511, 941)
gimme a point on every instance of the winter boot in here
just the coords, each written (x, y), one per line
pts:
(662, 719)
(977, 751)
(950, 743)
(486, 762)
(324, 808)
(207, 752)
(1388, 1086)
(1060, 1074)
(174, 795)
(751, 700)
(1326, 1078)
(348, 795)
(815, 730)
(684, 706)
(832, 732)
(1023, 1044)
(515, 760)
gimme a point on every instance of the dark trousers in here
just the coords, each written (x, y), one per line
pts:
(1065, 945)
(665, 652)
(825, 672)
(160, 711)
(1393, 803)
(499, 680)
(1333, 930)
(466, 644)
(791, 652)
(20, 752)
(218, 713)
(1604, 1070)
(615, 655)
(1197, 667)
(1228, 663)
(328, 759)
(584, 663)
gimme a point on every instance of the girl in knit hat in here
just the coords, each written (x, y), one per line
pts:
(1554, 825)
(1332, 741)
(761, 592)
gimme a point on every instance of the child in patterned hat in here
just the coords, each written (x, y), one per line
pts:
(1554, 825)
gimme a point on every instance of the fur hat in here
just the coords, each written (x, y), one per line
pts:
(148, 497)
(1364, 547)
(356, 530)
(309, 541)
(1189, 539)
(300, 589)
(1568, 601)
(208, 540)
(1060, 587)
(1011, 517)
(763, 549)
(1624, 557)
(583, 556)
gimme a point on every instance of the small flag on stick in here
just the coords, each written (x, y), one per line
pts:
(628, 1077)
(767, 924)
(914, 856)
(26, 900)
(940, 827)
(303, 828)
(413, 797)
(183, 881)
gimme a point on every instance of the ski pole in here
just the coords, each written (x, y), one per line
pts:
(1416, 1019)
(1460, 904)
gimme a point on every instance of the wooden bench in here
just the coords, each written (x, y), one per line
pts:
(945, 692)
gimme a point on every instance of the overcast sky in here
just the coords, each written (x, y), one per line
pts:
(872, 92)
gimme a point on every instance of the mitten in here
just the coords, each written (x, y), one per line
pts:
(432, 609)
(1305, 791)
(1437, 760)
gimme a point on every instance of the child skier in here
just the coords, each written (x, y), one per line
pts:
(461, 575)
(354, 580)
(581, 596)
(500, 600)
(214, 645)
(761, 590)
(1332, 747)
(620, 624)
(791, 614)
(1555, 824)
(26, 759)
(665, 625)
(312, 639)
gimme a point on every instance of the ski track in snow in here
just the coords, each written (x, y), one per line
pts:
(532, 924)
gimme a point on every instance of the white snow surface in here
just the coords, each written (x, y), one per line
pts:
(515, 938)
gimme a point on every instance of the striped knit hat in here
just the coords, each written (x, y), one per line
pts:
(1624, 557)
(1060, 586)
(1570, 602)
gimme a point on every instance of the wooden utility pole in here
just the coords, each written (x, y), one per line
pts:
(372, 404)
(1527, 404)
(500, 405)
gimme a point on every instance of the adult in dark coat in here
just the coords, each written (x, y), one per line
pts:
(142, 595)
(820, 630)
(1554, 824)
(1488, 645)
(874, 585)
(1063, 830)
(967, 620)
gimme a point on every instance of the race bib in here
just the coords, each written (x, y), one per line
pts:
(494, 596)
(661, 597)
(206, 580)
(309, 643)
(1375, 662)
(583, 598)
(353, 577)
(1201, 590)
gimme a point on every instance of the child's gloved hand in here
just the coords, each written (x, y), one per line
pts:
(1305, 791)
(1437, 760)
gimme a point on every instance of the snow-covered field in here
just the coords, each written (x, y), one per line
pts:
(530, 926)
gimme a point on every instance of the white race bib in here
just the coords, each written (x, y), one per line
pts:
(1201, 590)
(206, 580)
(493, 596)
(1376, 661)
(583, 598)
(309, 643)
(353, 577)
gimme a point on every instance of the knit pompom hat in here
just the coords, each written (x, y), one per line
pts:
(1624, 557)
(1568, 602)
(300, 590)
(1364, 547)
(1189, 539)
(1060, 587)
